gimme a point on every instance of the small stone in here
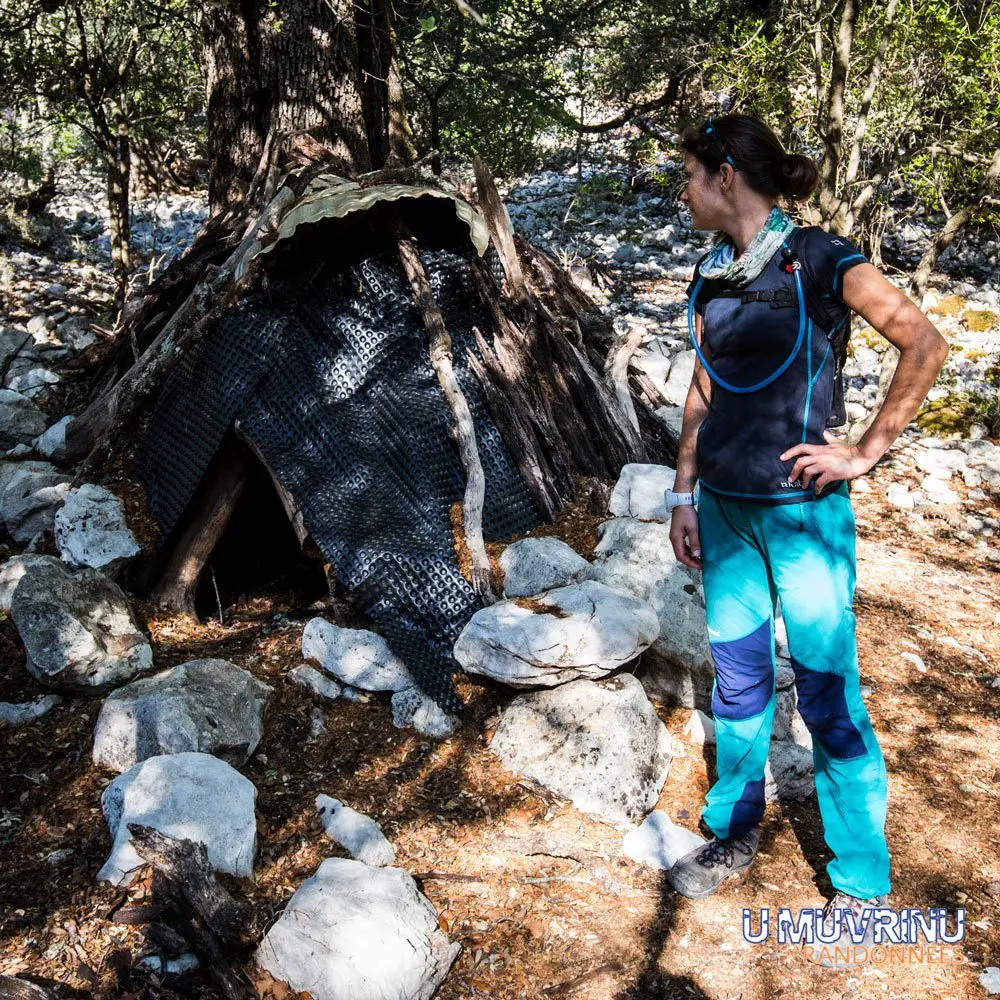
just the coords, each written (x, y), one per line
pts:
(317, 723)
(187, 962)
(22, 714)
(660, 843)
(938, 491)
(700, 728)
(916, 661)
(989, 979)
(899, 496)
(359, 834)
(355, 656)
(411, 707)
(311, 679)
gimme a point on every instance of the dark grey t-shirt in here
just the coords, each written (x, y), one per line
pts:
(741, 439)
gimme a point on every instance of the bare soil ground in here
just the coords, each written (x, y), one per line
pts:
(535, 892)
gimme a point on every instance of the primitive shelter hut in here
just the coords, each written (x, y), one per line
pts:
(410, 378)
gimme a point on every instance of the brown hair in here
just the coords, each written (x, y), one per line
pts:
(754, 149)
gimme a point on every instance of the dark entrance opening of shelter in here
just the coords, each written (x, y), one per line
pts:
(259, 554)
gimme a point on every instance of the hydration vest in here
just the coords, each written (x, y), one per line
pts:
(777, 365)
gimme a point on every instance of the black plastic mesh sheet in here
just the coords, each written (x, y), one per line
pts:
(332, 381)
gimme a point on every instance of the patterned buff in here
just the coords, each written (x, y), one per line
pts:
(720, 264)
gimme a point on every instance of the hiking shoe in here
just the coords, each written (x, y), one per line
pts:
(701, 871)
(845, 951)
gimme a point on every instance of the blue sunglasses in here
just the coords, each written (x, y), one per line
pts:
(710, 130)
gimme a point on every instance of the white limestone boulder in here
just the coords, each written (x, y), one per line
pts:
(659, 842)
(788, 774)
(32, 493)
(672, 417)
(681, 372)
(353, 932)
(700, 728)
(637, 557)
(941, 462)
(639, 492)
(52, 444)
(312, 680)
(357, 657)
(412, 708)
(189, 796)
(785, 707)
(90, 529)
(208, 706)
(21, 421)
(77, 629)
(13, 570)
(654, 361)
(536, 564)
(359, 834)
(599, 744)
(585, 630)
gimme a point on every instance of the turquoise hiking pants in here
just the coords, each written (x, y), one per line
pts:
(754, 554)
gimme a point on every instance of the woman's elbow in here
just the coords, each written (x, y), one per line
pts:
(937, 349)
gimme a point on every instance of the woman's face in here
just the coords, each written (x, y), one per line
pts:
(703, 195)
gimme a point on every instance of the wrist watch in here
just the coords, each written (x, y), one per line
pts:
(672, 499)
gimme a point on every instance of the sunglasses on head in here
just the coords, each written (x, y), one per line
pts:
(708, 129)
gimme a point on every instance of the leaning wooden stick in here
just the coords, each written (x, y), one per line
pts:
(465, 431)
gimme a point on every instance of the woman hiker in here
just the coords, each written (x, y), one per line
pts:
(771, 518)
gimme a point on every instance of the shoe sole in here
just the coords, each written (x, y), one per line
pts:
(715, 888)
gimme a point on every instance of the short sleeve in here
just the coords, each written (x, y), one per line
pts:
(829, 258)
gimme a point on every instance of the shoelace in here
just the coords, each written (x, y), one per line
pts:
(842, 901)
(722, 850)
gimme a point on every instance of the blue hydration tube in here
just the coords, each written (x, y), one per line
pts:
(770, 378)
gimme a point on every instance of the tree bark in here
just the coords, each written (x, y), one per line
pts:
(317, 66)
(951, 229)
(117, 155)
(831, 204)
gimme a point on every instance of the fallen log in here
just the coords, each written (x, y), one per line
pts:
(208, 916)
(12, 988)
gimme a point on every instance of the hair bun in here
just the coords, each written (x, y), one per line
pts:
(798, 176)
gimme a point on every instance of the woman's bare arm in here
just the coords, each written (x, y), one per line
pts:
(922, 353)
(684, 535)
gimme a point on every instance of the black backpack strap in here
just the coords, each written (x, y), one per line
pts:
(779, 298)
(838, 327)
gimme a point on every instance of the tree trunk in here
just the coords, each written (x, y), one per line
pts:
(951, 229)
(118, 167)
(320, 66)
(831, 204)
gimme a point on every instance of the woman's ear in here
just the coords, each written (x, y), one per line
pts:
(726, 176)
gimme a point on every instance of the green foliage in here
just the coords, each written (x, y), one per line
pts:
(97, 69)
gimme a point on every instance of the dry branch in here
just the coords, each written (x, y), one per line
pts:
(465, 431)
(19, 989)
(93, 429)
(210, 918)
